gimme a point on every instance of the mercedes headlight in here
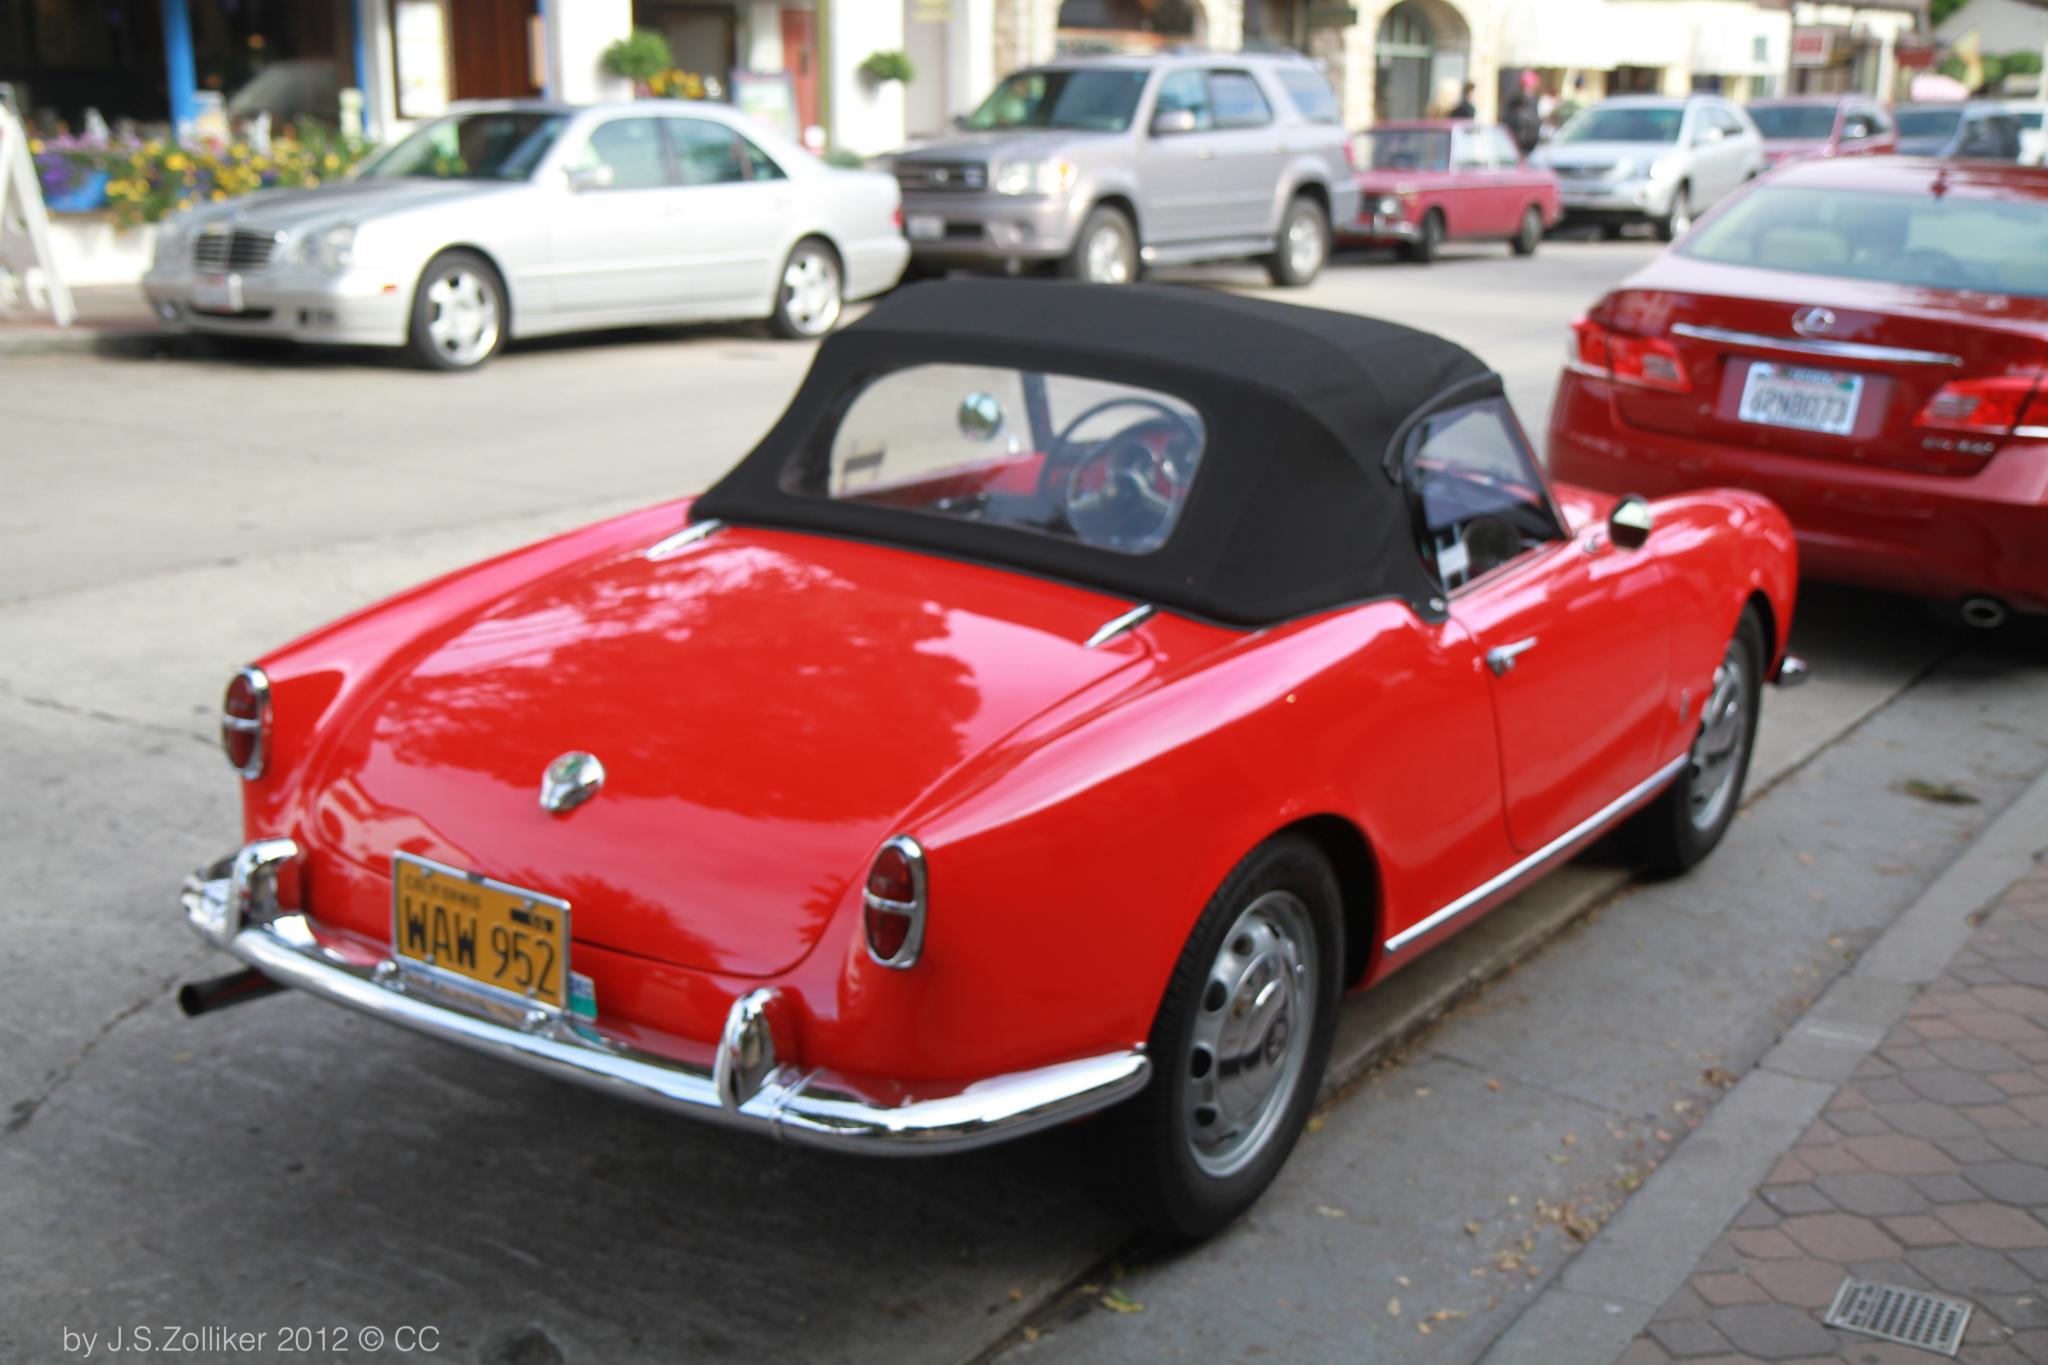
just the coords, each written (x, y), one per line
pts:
(1051, 176)
(332, 249)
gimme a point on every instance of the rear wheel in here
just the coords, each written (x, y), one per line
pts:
(1682, 826)
(1429, 238)
(1529, 235)
(810, 295)
(1239, 1046)
(1304, 245)
(1106, 251)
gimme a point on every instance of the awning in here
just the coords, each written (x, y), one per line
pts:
(1555, 33)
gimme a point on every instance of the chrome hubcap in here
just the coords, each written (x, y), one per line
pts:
(1304, 244)
(1681, 214)
(1109, 260)
(810, 292)
(464, 322)
(1724, 724)
(1249, 1043)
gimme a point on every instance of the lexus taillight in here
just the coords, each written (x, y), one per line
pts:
(893, 902)
(245, 721)
(1995, 406)
(1647, 362)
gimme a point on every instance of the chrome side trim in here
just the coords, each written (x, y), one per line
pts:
(813, 1107)
(1130, 620)
(1839, 350)
(681, 540)
(1589, 826)
(2032, 433)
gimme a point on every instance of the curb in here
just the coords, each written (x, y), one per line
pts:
(139, 339)
(1609, 1291)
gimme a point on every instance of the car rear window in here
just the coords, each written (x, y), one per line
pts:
(1994, 246)
(1104, 464)
(1928, 122)
(1311, 94)
(1813, 122)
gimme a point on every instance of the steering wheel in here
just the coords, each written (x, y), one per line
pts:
(1122, 493)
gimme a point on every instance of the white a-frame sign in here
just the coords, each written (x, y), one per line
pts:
(28, 271)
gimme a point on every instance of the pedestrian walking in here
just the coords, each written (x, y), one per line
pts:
(1464, 108)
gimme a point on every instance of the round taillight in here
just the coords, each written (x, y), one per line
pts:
(245, 721)
(893, 903)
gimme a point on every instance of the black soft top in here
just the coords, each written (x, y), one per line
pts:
(1295, 506)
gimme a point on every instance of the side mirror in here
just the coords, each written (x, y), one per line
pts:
(1168, 122)
(1628, 525)
(590, 178)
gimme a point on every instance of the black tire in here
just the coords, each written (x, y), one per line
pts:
(1146, 1165)
(1669, 835)
(1427, 241)
(471, 283)
(1530, 235)
(1291, 268)
(810, 292)
(1678, 217)
(1610, 232)
(1086, 261)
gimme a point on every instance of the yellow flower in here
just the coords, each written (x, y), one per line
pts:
(177, 161)
(260, 164)
(35, 145)
(220, 194)
(152, 147)
(239, 151)
(332, 162)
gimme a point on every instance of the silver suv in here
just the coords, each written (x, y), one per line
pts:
(1106, 165)
(1652, 158)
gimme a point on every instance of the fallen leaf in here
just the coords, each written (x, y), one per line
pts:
(1570, 1139)
(1533, 1271)
(1016, 1296)
(1447, 1315)
(1424, 1328)
(1030, 1334)
(1116, 1301)
(1492, 1084)
(1315, 1125)
(1328, 1212)
(1472, 1227)
(1940, 793)
(1478, 1272)
(1393, 1308)
(1681, 1106)
(1422, 1092)
(1560, 1158)
(1719, 1077)
(1514, 1199)
(1806, 858)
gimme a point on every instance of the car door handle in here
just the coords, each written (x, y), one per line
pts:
(1501, 658)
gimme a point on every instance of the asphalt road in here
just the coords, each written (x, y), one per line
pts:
(290, 1166)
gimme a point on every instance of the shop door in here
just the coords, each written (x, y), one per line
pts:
(800, 60)
(490, 53)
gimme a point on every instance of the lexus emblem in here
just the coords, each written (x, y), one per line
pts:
(1813, 322)
(569, 781)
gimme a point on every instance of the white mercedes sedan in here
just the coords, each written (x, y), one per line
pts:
(523, 218)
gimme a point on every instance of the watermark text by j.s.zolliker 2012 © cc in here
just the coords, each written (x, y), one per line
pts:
(174, 1339)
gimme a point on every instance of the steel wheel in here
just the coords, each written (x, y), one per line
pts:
(1530, 235)
(811, 297)
(1305, 244)
(1677, 222)
(462, 318)
(1250, 1037)
(1108, 256)
(1724, 728)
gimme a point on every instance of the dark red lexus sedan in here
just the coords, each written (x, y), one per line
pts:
(1864, 342)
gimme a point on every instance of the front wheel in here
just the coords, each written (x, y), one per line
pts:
(458, 313)
(1684, 824)
(1105, 252)
(1429, 238)
(1673, 224)
(1304, 245)
(810, 295)
(1529, 235)
(1239, 1046)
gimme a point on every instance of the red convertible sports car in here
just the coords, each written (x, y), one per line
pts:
(1424, 182)
(1075, 693)
(1863, 341)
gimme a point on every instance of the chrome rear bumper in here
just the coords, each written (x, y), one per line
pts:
(233, 906)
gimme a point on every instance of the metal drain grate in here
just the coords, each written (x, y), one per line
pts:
(1907, 1316)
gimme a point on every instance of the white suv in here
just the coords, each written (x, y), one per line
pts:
(1653, 159)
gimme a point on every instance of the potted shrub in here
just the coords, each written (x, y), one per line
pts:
(879, 68)
(639, 57)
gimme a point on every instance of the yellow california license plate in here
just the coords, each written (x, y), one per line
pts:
(469, 926)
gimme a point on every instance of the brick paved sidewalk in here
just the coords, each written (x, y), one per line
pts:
(1928, 1170)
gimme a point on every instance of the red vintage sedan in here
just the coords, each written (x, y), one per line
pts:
(1863, 341)
(1822, 125)
(1426, 182)
(1053, 714)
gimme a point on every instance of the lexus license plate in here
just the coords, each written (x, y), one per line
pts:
(465, 925)
(1800, 398)
(924, 227)
(217, 293)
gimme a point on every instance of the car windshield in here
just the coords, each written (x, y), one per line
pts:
(1928, 123)
(1803, 122)
(1949, 243)
(1405, 149)
(2031, 120)
(1651, 124)
(502, 145)
(1103, 464)
(1096, 101)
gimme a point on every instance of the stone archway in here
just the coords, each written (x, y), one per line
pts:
(1129, 25)
(1422, 53)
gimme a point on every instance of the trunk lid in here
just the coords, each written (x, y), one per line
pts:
(767, 706)
(1751, 342)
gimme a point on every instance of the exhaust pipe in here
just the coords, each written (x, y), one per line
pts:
(1983, 613)
(236, 988)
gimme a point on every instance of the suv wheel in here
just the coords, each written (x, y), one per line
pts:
(1673, 225)
(1106, 252)
(1304, 244)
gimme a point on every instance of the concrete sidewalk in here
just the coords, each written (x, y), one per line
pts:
(108, 315)
(1898, 1134)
